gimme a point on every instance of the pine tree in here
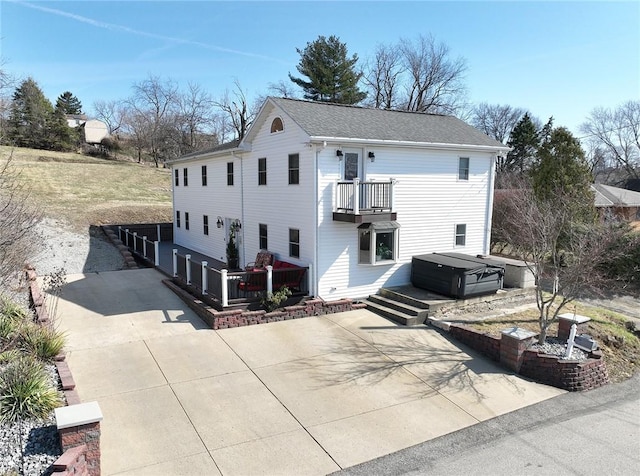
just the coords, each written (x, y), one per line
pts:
(331, 75)
(30, 114)
(561, 171)
(69, 103)
(524, 141)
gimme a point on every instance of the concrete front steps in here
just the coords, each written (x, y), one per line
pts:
(397, 307)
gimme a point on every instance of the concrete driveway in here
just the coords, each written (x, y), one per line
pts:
(309, 396)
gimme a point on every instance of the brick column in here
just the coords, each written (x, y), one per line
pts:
(566, 320)
(80, 425)
(513, 343)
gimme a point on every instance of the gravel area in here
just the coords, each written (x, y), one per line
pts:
(554, 346)
(30, 447)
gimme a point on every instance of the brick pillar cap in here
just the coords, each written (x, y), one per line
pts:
(76, 415)
(577, 318)
(518, 333)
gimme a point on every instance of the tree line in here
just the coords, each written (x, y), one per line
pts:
(162, 120)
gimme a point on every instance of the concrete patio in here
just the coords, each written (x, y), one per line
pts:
(307, 396)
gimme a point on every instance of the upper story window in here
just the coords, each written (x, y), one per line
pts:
(262, 171)
(276, 125)
(461, 235)
(186, 220)
(205, 224)
(176, 175)
(185, 176)
(229, 173)
(294, 169)
(463, 168)
(204, 175)
(178, 218)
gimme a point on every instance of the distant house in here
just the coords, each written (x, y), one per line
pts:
(94, 130)
(618, 202)
(351, 193)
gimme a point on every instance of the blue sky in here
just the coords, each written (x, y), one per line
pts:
(552, 58)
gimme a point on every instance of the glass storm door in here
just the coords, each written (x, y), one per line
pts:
(352, 165)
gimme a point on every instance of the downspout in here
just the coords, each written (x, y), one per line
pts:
(316, 257)
(490, 193)
(242, 205)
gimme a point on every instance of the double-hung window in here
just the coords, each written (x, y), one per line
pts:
(262, 171)
(378, 243)
(461, 235)
(185, 177)
(463, 168)
(294, 169)
(186, 220)
(204, 175)
(294, 242)
(205, 224)
(176, 175)
(178, 218)
(230, 173)
(262, 236)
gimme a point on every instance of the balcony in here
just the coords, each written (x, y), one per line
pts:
(364, 202)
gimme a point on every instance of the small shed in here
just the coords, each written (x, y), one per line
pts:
(456, 275)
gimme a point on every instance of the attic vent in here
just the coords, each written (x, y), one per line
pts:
(276, 125)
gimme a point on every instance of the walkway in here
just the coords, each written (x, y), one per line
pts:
(303, 397)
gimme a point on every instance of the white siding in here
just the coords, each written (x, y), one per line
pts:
(429, 201)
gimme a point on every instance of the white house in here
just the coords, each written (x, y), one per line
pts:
(351, 192)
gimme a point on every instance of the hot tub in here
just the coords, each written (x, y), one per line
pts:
(456, 275)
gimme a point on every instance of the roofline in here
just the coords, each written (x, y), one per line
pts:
(205, 154)
(397, 143)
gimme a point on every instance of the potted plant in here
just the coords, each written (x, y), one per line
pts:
(383, 252)
(232, 247)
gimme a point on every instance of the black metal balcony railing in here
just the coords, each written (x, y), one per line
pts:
(364, 197)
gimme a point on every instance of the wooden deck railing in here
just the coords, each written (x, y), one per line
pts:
(363, 197)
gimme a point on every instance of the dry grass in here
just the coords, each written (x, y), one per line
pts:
(86, 191)
(620, 347)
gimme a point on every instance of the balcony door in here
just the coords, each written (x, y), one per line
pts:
(352, 167)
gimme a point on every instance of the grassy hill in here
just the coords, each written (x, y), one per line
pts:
(84, 191)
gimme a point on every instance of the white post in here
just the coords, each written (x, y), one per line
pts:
(392, 193)
(310, 280)
(156, 252)
(225, 290)
(188, 266)
(336, 196)
(572, 336)
(135, 241)
(158, 231)
(356, 196)
(126, 236)
(144, 246)
(175, 263)
(204, 277)
(119, 232)
(269, 269)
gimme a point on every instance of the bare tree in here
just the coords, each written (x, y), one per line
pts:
(435, 82)
(282, 89)
(238, 114)
(567, 259)
(196, 119)
(157, 101)
(18, 220)
(112, 113)
(7, 83)
(383, 74)
(617, 134)
(496, 120)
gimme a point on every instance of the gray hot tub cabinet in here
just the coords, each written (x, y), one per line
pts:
(456, 275)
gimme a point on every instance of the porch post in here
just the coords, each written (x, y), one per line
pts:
(225, 289)
(119, 232)
(175, 263)
(158, 232)
(356, 196)
(391, 193)
(188, 266)
(126, 236)
(144, 246)
(156, 252)
(204, 277)
(135, 241)
(310, 280)
(269, 269)
(336, 194)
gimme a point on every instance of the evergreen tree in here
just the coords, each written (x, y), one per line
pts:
(69, 103)
(524, 141)
(59, 135)
(331, 75)
(29, 118)
(561, 171)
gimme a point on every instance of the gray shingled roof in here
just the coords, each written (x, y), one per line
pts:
(218, 148)
(608, 196)
(352, 122)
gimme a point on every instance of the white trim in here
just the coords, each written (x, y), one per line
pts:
(397, 143)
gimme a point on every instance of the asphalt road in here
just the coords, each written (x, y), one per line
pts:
(589, 433)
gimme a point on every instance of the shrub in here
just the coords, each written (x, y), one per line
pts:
(26, 391)
(272, 301)
(44, 342)
(12, 310)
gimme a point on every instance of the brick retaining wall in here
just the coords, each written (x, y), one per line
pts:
(569, 375)
(237, 317)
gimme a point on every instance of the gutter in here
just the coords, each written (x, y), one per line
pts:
(396, 143)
